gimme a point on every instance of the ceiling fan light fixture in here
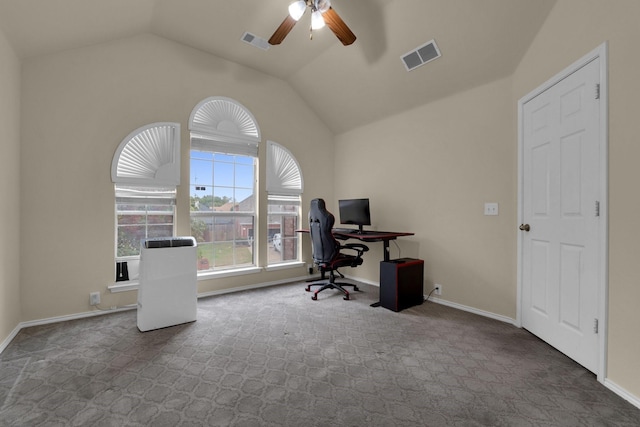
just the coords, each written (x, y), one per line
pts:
(317, 21)
(323, 5)
(297, 8)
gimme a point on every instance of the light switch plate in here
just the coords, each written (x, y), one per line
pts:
(491, 209)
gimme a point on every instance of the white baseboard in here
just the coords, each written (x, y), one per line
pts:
(473, 310)
(9, 338)
(634, 400)
(256, 286)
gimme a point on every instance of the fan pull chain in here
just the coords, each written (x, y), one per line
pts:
(310, 33)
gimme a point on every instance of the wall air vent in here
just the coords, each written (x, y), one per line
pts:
(421, 55)
(254, 40)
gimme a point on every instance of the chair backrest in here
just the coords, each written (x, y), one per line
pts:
(324, 246)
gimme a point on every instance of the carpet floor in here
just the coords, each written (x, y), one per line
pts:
(274, 357)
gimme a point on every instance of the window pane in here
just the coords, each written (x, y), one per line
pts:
(129, 238)
(244, 176)
(206, 155)
(227, 243)
(244, 198)
(160, 231)
(201, 172)
(220, 157)
(244, 160)
(136, 222)
(201, 229)
(223, 174)
(223, 198)
(283, 221)
(205, 254)
(225, 239)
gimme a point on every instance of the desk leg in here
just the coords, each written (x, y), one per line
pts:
(385, 247)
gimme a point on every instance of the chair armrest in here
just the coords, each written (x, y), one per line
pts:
(358, 247)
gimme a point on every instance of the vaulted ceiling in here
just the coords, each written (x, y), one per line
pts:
(480, 41)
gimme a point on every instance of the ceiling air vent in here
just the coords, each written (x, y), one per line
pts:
(421, 55)
(256, 41)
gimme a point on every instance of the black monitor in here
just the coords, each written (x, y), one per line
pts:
(355, 211)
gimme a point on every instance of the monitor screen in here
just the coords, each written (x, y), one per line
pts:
(355, 211)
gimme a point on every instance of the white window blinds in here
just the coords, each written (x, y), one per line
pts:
(149, 156)
(283, 172)
(223, 125)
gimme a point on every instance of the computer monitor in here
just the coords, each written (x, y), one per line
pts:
(355, 211)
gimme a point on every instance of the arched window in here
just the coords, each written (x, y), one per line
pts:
(145, 171)
(284, 190)
(224, 152)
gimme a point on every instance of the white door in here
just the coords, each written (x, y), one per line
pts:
(560, 276)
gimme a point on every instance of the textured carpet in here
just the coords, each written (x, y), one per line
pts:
(273, 357)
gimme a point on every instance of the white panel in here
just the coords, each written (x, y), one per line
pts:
(571, 179)
(570, 285)
(571, 102)
(168, 289)
(539, 276)
(540, 180)
(539, 118)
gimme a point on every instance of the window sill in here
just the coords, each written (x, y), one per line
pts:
(285, 266)
(130, 285)
(228, 273)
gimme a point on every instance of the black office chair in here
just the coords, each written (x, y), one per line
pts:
(326, 250)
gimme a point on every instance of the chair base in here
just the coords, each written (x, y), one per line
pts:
(331, 285)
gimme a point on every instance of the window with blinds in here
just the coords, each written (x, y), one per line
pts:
(222, 188)
(284, 192)
(145, 171)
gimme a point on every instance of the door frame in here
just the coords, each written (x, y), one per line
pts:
(603, 230)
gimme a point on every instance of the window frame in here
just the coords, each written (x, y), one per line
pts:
(213, 214)
(145, 171)
(222, 125)
(294, 237)
(284, 183)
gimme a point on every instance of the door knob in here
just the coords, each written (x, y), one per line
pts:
(525, 227)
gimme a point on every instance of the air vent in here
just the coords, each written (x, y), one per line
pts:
(421, 55)
(254, 40)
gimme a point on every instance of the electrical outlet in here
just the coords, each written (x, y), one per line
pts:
(94, 298)
(438, 289)
(491, 209)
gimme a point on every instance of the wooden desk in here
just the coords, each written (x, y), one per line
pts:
(370, 236)
(373, 236)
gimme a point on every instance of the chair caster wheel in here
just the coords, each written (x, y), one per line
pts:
(308, 289)
(315, 297)
(355, 288)
(346, 298)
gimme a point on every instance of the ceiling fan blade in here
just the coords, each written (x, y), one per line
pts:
(339, 28)
(282, 31)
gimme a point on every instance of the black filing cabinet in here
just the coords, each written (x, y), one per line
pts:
(401, 283)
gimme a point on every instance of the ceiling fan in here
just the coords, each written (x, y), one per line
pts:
(321, 13)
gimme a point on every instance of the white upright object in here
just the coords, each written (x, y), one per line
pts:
(167, 293)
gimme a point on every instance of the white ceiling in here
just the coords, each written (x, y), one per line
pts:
(480, 41)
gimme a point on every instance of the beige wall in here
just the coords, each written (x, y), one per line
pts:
(9, 189)
(79, 105)
(430, 171)
(574, 28)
